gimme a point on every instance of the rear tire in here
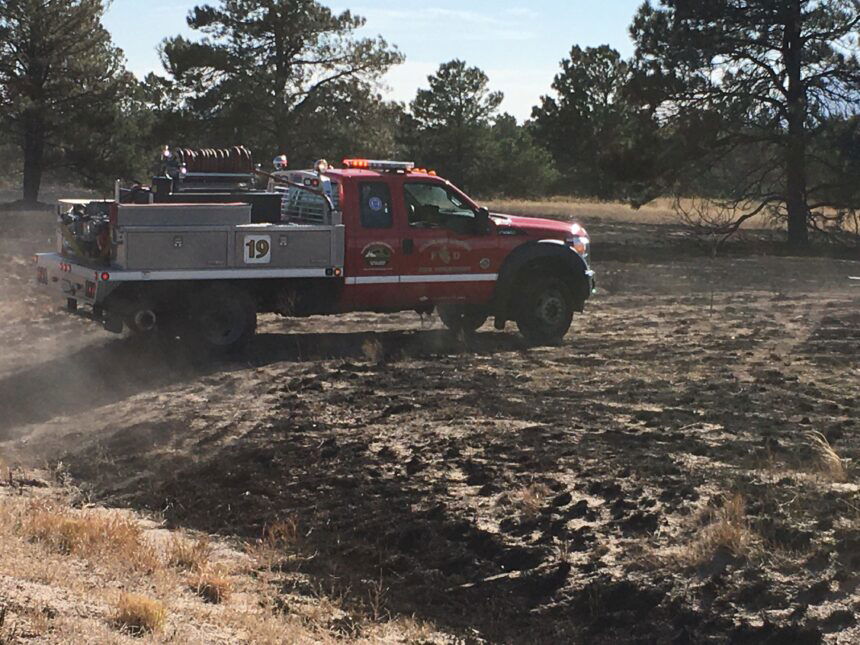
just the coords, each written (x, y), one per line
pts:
(459, 318)
(222, 319)
(545, 310)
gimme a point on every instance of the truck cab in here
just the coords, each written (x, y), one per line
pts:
(414, 240)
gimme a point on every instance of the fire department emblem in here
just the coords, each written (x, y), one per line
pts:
(377, 255)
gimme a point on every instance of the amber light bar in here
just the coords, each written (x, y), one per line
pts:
(376, 164)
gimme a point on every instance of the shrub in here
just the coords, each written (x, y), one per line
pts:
(139, 614)
(185, 554)
(212, 587)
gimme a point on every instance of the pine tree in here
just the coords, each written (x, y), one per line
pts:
(267, 71)
(62, 82)
(581, 122)
(450, 122)
(757, 81)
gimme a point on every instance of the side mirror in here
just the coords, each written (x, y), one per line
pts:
(482, 217)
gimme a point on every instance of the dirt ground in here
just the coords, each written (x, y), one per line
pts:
(657, 478)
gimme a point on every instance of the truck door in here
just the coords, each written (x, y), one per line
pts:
(374, 255)
(452, 260)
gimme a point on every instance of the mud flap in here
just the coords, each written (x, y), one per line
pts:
(112, 323)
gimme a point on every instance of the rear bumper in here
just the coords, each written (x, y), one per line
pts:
(77, 284)
(73, 282)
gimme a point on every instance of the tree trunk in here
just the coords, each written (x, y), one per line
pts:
(795, 150)
(798, 234)
(283, 130)
(34, 150)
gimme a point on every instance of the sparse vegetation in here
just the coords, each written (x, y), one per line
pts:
(88, 535)
(282, 535)
(644, 414)
(187, 554)
(57, 537)
(212, 586)
(280, 540)
(829, 461)
(373, 351)
(656, 212)
(728, 531)
(531, 499)
(138, 614)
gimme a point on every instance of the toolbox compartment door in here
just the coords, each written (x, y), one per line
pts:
(286, 247)
(177, 249)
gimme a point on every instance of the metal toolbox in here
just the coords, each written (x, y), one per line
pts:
(173, 247)
(259, 246)
(183, 214)
(288, 246)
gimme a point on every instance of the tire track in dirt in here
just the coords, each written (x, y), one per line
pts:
(537, 494)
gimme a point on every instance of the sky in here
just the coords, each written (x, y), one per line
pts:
(518, 44)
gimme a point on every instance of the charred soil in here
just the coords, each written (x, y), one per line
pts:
(682, 469)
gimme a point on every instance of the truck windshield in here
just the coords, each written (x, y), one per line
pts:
(431, 205)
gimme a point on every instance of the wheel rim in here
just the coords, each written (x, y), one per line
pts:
(550, 309)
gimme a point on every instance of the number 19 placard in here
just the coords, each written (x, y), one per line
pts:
(258, 249)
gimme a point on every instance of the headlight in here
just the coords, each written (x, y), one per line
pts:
(579, 241)
(581, 244)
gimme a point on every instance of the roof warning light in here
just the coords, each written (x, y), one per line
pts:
(376, 164)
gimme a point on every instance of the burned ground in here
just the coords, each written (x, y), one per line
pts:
(500, 492)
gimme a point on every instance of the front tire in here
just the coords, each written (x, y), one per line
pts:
(545, 311)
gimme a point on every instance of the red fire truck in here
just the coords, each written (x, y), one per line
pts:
(200, 253)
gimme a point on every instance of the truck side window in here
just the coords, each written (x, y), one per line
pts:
(431, 205)
(375, 200)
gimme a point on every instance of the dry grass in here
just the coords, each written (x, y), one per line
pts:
(265, 627)
(87, 534)
(44, 541)
(279, 539)
(212, 586)
(660, 211)
(192, 555)
(373, 351)
(569, 208)
(531, 499)
(29, 623)
(729, 531)
(282, 535)
(138, 614)
(830, 463)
